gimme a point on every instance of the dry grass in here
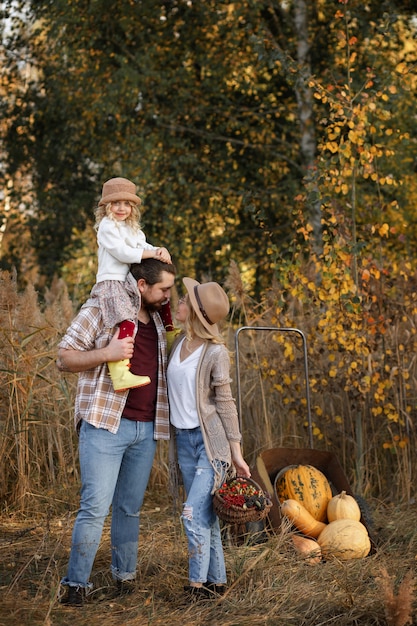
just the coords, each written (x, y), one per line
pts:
(268, 583)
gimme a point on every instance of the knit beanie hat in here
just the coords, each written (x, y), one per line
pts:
(119, 189)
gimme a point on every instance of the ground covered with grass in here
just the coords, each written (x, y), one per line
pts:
(268, 582)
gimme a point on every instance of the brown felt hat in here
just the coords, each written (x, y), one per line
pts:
(119, 189)
(209, 301)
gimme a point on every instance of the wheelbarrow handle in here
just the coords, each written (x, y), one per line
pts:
(306, 375)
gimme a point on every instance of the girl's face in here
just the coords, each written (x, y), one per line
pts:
(182, 309)
(120, 210)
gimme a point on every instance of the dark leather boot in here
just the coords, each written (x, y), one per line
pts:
(218, 590)
(75, 596)
(125, 587)
(196, 594)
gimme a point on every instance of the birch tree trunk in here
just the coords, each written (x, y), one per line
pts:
(304, 97)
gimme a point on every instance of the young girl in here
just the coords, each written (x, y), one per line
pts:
(121, 242)
(204, 419)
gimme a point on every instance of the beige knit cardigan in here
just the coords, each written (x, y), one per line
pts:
(216, 409)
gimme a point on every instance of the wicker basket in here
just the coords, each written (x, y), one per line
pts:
(236, 514)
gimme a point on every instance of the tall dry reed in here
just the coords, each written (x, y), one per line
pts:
(37, 446)
(362, 388)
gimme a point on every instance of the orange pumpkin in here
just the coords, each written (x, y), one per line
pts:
(306, 484)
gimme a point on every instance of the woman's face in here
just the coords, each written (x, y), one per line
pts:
(182, 309)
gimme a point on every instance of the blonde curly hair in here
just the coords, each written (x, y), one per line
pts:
(133, 220)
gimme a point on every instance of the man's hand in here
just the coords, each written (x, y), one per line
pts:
(119, 349)
(75, 361)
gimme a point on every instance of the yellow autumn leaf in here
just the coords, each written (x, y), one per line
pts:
(332, 146)
(289, 351)
(383, 230)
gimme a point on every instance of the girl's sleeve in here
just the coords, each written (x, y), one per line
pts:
(112, 239)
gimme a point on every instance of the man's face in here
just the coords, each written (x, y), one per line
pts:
(153, 296)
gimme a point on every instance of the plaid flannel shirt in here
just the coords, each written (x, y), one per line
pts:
(96, 401)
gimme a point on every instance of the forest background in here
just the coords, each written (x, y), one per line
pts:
(274, 145)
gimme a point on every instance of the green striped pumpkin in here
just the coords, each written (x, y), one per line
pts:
(306, 484)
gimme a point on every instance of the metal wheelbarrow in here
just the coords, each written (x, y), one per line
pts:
(271, 461)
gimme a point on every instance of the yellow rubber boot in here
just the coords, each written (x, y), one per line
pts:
(123, 379)
(171, 337)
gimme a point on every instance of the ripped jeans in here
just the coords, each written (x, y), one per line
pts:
(205, 550)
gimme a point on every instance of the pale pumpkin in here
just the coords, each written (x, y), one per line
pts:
(308, 549)
(344, 539)
(306, 484)
(301, 518)
(343, 506)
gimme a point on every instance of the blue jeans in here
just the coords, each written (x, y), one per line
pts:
(115, 471)
(205, 550)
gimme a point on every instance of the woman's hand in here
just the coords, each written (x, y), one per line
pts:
(242, 468)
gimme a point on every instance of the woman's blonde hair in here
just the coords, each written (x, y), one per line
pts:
(193, 326)
(133, 220)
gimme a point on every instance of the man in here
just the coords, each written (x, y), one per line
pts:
(117, 430)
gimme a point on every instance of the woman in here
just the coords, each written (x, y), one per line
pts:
(204, 420)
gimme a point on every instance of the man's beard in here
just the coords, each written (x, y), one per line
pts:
(151, 307)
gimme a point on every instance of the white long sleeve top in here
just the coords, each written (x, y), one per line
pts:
(118, 247)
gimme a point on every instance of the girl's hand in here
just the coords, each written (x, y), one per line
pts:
(163, 255)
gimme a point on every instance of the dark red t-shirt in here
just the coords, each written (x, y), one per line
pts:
(141, 402)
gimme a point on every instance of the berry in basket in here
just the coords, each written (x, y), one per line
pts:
(241, 493)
